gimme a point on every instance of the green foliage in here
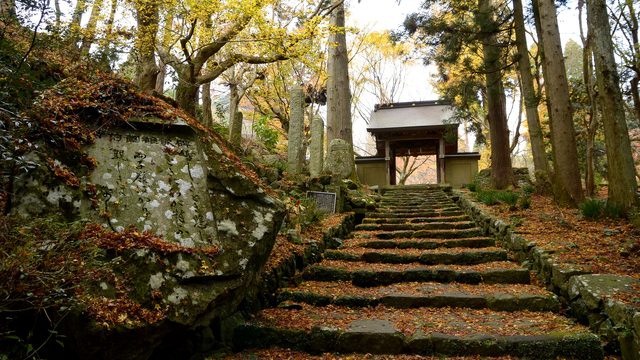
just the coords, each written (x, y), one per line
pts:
(493, 197)
(473, 187)
(302, 211)
(528, 190)
(613, 211)
(266, 133)
(525, 202)
(592, 208)
(487, 197)
(508, 197)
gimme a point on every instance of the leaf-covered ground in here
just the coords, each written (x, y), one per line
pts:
(284, 248)
(287, 354)
(356, 265)
(599, 246)
(450, 321)
(340, 288)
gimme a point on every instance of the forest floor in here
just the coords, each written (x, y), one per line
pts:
(603, 245)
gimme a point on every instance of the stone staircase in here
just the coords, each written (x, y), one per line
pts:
(418, 277)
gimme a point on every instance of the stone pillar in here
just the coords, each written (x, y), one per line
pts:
(316, 147)
(339, 159)
(235, 133)
(296, 131)
(441, 176)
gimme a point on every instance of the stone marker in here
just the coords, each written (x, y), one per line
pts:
(296, 131)
(339, 160)
(316, 148)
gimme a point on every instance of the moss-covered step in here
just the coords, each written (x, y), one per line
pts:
(462, 256)
(418, 226)
(430, 207)
(375, 274)
(414, 220)
(446, 331)
(472, 242)
(283, 353)
(433, 234)
(416, 202)
(498, 297)
(419, 212)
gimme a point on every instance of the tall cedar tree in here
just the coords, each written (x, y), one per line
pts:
(338, 91)
(531, 99)
(621, 172)
(567, 184)
(501, 172)
(464, 34)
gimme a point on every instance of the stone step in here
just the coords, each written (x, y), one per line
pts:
(461, 256)
(415, 220)
(283, 353)
(411, 209)
(413, 214)
(434, 234)
(447, 331)
(418, 226)
(375, 274)
(416, 200)
(497, 297)
(472, 242)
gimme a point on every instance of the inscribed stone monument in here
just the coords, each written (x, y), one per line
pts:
(316, 148)
(182, 185)
(296, 131)
(154, 180)
(339, 160)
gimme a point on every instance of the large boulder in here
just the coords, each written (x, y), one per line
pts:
(183, 227)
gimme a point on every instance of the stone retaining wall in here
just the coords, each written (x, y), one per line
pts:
(265, 293)
(617, 324)
(281, 275)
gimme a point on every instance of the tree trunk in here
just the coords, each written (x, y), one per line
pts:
(635, 66)
(621, 171)
(58, 13)
(567, 174)
(591, 122)
(501, 172)
(235, 130)
(186, 96)
(75, 24)
(207, 114)
(7, 10)
(147, 16)
(338, 92)
(531, 101)
(105, 50)
(234, 99)
(90, 30)
(166, 42)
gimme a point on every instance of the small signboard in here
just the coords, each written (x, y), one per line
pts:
(325, 201)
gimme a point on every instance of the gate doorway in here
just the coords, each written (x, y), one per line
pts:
(412, 170)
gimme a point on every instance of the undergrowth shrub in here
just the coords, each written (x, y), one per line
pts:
(592, 208)
(43, 264)
(528, 189)
(473, 187)
(487, 197)
(508, 197)
(613, 211)
(525, 202)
